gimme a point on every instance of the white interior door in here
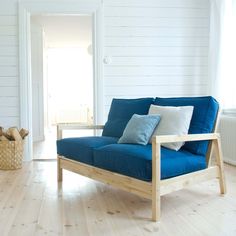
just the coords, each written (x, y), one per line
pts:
(37, 82)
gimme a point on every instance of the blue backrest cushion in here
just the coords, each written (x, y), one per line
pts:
(120, 113)
(203, 119)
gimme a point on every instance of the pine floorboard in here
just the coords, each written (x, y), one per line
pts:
(33, 203)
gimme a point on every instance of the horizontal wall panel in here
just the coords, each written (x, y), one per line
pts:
(159, 61)
(155, 70)
(9, 111)
(8, 40)
(9, 102)
(9, 121)
(8, 30)
(158, 3)
(9, 92)
(9, 81)
(154, 90)
(8, 61)
(151, 80)
(8, 20)
(155, 32)
(156, 51)
(9, 7)
(8, 71)
(170, 12)
(156, 41)
(156, 22)
(8, 51)
(158, 93)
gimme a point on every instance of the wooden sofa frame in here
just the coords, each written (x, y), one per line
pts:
(156, 188)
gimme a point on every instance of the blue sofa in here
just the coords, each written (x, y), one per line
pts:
(147, 170)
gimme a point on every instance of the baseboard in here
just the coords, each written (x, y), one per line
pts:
(230, 161)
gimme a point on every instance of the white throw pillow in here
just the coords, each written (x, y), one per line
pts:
(174, 121)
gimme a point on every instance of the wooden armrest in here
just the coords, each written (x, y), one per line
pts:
(183, 138)
(75, 126)
(67, 126)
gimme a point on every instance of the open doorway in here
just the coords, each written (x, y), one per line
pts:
(62, 77)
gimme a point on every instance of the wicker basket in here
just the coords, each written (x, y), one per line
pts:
(11, 154)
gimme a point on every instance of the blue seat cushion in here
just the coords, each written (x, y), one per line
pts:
(81, 149)
(136, 161)
(120, 113)
(203, 119)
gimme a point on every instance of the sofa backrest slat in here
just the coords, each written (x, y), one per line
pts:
(210, 146)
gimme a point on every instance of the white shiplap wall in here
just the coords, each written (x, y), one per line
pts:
(157, 47)
(9, 80)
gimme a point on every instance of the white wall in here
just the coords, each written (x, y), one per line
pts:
(157, 47)
(9, 94)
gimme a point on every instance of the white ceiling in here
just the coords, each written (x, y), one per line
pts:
(61, 31)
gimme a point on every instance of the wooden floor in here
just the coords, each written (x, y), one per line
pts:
(32, 203)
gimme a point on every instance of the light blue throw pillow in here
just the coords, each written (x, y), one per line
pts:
(139, 129)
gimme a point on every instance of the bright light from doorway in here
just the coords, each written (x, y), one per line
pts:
(70, 85)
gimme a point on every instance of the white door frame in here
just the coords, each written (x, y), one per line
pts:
(26, 9)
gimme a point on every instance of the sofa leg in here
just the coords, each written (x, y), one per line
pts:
(156, 176)
(59, 170)
(156, 207)
(219, 160)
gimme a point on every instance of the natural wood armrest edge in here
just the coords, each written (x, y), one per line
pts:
(183, 138)
(75, 126)
(65, 126)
